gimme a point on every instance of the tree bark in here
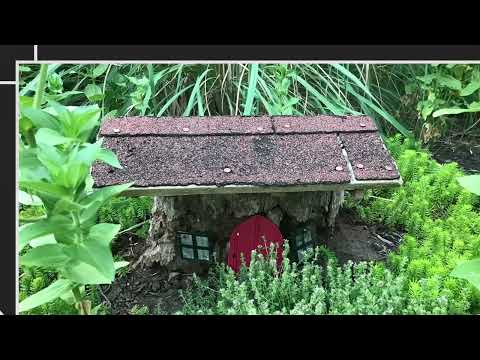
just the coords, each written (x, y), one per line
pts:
(217, 215)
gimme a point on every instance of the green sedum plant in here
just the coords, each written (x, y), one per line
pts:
(441, 224)
(55, 162)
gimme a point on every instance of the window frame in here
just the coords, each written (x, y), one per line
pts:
(195, 247)
(305, 245)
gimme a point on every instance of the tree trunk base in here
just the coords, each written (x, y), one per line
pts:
(217, 215)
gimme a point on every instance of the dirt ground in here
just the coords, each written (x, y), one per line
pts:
(159, 290)
(466, 152)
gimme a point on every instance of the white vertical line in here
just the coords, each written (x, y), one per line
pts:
(35, 52)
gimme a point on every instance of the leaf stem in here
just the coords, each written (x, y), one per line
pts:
(78, 299)
(37, 100)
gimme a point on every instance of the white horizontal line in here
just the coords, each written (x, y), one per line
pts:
(7, 82)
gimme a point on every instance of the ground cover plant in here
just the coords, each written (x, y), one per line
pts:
(62, 107)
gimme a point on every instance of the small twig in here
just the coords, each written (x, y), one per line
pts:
(133, 227)
(105, 297)
(380, 198)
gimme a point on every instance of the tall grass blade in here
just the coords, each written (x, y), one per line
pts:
(252, 90)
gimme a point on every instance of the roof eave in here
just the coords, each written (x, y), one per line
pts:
(252, 189)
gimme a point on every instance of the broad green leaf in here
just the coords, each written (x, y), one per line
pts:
(50, 255)
(89, 153)
(99, 70)
(105, 193)
(41, 187)
(62, 113)
(427, 79)
(50, 293)
(51, 137)
(96, 255)
(468, 270)
(43, 240)
(67, 205)
(72, 175)
(103, 233)
(93, 92)
(31, 169)
(471, 183)
(27, 199)
(87, 117)
(450, 82)
(41, 119)
(252, 90)
(473, 107)
(34, 230)
(51, 158)
(470, 88)
(56, 224)
(83, 273)
(107, 156)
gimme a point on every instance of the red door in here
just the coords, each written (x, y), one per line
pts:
(247, 236)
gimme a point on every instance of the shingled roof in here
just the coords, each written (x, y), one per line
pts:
(233, 154)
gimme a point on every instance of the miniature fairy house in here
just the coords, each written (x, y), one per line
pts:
(225, 185)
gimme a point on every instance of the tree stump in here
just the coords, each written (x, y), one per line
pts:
(218, 214)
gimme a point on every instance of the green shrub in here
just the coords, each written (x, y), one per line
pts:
(363, 288)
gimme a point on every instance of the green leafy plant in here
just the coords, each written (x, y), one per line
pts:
(446, 90)
(55, 167)
(320, 286)
(469, 270)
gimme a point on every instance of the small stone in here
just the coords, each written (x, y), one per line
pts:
(259, 128)
(360, 166)
(339, 168)
(389, 168)
(116, 130)
(362, 125)
(227, 170)
(186, 129)
(287, 125)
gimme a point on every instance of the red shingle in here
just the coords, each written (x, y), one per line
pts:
(369, 159)
(223, 160)
(322, 124)
(223, 150)
(164, 126)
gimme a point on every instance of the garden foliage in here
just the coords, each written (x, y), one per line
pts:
(320, 286)
(55, 161)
